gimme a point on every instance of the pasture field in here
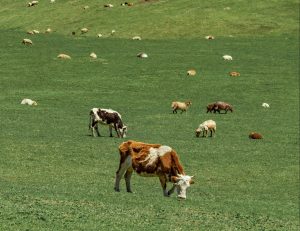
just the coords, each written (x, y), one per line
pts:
(55, 176)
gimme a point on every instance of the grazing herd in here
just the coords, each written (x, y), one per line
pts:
(147, 159)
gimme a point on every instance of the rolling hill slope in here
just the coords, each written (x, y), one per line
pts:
(157, 19)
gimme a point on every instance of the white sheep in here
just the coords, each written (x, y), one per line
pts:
(108, 5)
(191, 72)
(32, 3)
(265, 105)
(183, 106)
(208, 125)
(209, 37)
(27, 41)
(86, 7)
(48, 30)
(227, 57)
(113, 32)
(84, 30)
(142, 55)
(63, 56)
(93, 55)
(29, 102)
(99, 35)
(136, 38)
(35, 31)
(52, 1)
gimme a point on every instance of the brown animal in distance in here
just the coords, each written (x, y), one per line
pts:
(255, 135)
(234, 74)
(218, 107)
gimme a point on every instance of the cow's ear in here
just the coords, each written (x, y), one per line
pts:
(191, 180)
(174, 179)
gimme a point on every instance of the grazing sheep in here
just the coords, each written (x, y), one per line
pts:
(84, 30)
(52, 1)
(86, 7)
(63, 56)
(93, 55)
(208, 125)
(191, 72)
(112, 32)
(209, 37)
(234, 73)
(99, 35)
(255, 135)
(142, 55)
(218, 106)
(27, 42)
(29, 102)
(183, 106)
(265, 105)
(35, 31)
(48, 30)
(136, 38)
(32, 3)
(108, 5)
(30, 32)
(227, 57)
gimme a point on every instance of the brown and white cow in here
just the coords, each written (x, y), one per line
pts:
(107, 117)
(152, 160)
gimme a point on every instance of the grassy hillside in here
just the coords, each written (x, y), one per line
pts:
(156, 18)
(55, 176)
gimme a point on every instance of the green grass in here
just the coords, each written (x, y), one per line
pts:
(55, 176)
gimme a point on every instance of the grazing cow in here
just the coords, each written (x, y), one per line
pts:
(152, 160)
(107, 117)
(218, 106)
(255, 135)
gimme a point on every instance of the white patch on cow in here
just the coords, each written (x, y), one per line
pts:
(155, 153)
(96, 117)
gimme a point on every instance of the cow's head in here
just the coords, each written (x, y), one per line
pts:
(123, 131)
(182, 182)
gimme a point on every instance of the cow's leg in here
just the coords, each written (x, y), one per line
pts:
(110, 130)
(94, 127)
(97, 130)
(171, 190)
(120, 173)
(163, 182)
(116, 129)
(127, 176)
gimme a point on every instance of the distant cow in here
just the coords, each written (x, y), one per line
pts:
(107, 117)
(255, 135)
(218, 107)
(152, 160)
